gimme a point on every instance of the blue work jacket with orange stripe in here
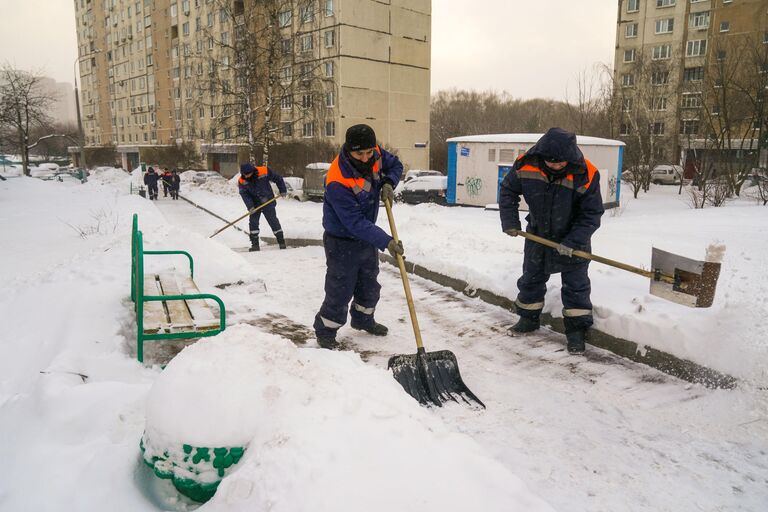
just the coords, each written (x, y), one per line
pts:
(565, 208)
(351, 201)
(257, 189)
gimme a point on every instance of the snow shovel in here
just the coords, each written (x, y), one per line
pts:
(675, 278)
(252, 210)
(429, 377)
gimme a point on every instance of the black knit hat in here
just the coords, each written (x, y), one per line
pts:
(360, 136)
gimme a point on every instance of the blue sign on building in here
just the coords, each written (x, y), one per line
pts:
(464, 151)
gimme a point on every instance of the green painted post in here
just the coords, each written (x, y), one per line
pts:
(140, 297)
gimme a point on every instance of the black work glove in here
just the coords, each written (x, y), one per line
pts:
(564, 250)
(395, 248)
(512, 231)
(387, 193)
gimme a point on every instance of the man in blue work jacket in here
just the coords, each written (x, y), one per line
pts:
(360, 175)
(255, 189)
(562, 190)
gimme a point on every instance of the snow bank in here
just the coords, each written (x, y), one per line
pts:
(314, 440)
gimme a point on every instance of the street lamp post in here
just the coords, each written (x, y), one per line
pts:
(80, 131)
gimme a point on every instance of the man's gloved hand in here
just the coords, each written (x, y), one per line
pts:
(283, 195)
(512, 232)
(564, 250)
(395, 248)
(387, 193)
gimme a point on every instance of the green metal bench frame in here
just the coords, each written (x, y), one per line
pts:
(138, 297)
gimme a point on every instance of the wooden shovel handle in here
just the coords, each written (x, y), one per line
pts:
(249, 212)
(594, 257)
(404, 277)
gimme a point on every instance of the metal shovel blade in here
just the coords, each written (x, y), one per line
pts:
(695, 281)
(432, 377)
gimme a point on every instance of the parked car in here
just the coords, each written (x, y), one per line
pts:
(424, 189)
(667, 174)
(314, 180)
(417, 173)
(295, 187)
(201, 177)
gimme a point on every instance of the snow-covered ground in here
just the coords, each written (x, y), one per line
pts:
(332, 431)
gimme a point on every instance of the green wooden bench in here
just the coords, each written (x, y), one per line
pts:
(168, 306)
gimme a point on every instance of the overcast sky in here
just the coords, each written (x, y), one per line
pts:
(529, 48)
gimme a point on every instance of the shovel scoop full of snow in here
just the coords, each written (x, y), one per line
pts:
(684, 280)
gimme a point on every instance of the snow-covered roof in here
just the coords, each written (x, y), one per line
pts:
(531, 138)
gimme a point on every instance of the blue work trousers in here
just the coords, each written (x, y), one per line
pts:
(352, 270)
(270, 212)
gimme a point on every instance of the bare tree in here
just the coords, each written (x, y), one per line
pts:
(24, 107)
(263, 66)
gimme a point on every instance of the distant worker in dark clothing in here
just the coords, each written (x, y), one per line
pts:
(175, 184)
(150, 180)
(562, 190)
(360, 175)
(255, 189)
(166, 177)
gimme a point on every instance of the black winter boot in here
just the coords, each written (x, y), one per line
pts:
(254, 243)
(375, 328)
(576, 341)
(328, 342)
(280, 240)
(526, 324)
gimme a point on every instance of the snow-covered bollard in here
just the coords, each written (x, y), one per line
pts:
(198, 420)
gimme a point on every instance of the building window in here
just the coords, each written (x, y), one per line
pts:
(665, 26)
(689, 127)
(305, 72)
(626, 105)
(287, 46)
(286, 102)
(308, 130)
(696, 48)
(330, 38)
(629, 55)
(306, 101)
(628, 80)
(286, 74)
(660, 78)
(328, 7)
(656, 128)
(330, 128)
(307, 13)
(633, 5)
(765, 37)
(659, 103)
(329, 69)
(624, 129)
(725, 26)
(285, 18)
(691, 100)
(693, 74)
(330, 99)
(665, 3)
(699, 20)
(491, 155)
(661, 52)
(721, 54)
(630, 30)
(305, 42)
(287, 129)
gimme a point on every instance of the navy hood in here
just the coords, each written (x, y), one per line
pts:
(558, 145)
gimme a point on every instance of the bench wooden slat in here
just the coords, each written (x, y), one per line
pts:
(155, 319)
(179, 317)
(201, 312)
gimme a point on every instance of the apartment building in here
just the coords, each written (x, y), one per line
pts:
(146, 65)
(672, 58)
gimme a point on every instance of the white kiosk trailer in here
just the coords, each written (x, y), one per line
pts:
(477, 164)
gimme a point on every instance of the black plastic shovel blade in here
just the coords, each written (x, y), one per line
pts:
(432, 377)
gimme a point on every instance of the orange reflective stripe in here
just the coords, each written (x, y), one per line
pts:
(531, 168)
(356, 184)
(262, 171)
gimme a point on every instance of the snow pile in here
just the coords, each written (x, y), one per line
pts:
(315, 441)
(110, 176)
(221, 187)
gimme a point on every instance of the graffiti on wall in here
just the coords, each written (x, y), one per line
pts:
(473, 185)
(612, 186)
